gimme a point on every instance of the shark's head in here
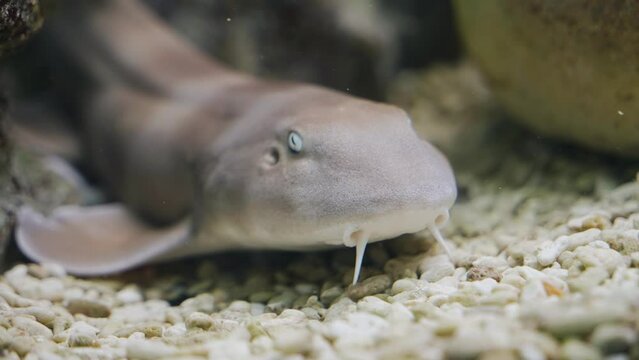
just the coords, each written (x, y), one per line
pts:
(311, 167)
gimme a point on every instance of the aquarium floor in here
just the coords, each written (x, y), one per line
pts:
(546, 265)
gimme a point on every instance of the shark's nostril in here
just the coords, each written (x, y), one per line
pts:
(357, 235)
(441, 219)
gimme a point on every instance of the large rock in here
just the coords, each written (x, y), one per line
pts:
(354, 45)
(19, 19)
(24, 177)
(564, 68)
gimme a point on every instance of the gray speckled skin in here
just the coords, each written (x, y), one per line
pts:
(177, 136)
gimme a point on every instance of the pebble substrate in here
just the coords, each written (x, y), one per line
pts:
(546, 265)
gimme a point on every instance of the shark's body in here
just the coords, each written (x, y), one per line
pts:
(203, 158)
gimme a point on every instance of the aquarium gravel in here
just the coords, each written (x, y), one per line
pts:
(545, 265)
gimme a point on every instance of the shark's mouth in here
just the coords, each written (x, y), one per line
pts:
(359, 236)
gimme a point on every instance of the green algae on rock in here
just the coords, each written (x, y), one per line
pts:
(566, 69)
(19, 19)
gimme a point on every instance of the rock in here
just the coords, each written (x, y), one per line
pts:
(607, 259)
(88, 307)
(42, 314)
(199, 320)
(598, 219)
(31, 327)
(614, 339)
(574, 349)
(129, 294)
(625, 242)
(354, 46)
(372, 285)
(403, 285)
(19, 19)
(329, 295)
(291, 340)
(148, 350)
(549, 251)
(580, 79)
(477, 273)
(82, 334)
(374, 305)
(564, 320)
(436, 267)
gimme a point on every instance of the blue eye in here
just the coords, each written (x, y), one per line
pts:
(295, 142)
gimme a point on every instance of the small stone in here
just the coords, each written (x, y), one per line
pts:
(203, 303)
(280, 302)
(260, 296)
(574, 349)
(32, 327)
(403, 285)
(613, 339)
(82, 334)
(199, 320)
(129, 294)
(588, 279)
(54, 270)
(550, 250)
(370, 286)
(88, 307)
(21, 344)
(148, 349)
(402, 267)
(564, 319)
(43, 315)
(477, 273)
(434, 268)
(291, 340)
(13, 299)
(499, 354)
(608, 259)
(483, 287)
(596, 220)
(497, 263)
(340, 308)
(399, 313)
(312, 313)
(149, 329)
(331, 294)
(626, 242)
(176, 330)
(224, 325)
(374, 305)
(533, 291)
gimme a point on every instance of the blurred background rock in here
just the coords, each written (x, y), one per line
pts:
(24, 178)
(567, 69)
(354, 46)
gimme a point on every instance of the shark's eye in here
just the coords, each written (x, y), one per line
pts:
(295, 142)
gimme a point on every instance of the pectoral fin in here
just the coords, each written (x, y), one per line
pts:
(94, 240)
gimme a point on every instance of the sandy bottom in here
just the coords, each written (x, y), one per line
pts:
(546, 265)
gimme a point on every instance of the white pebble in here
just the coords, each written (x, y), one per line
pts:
(374, 305)
(175, 330)
(548, 251)
(31, 326)
(436, 267)
(148, 349)
(82, 334)
(129, 294)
